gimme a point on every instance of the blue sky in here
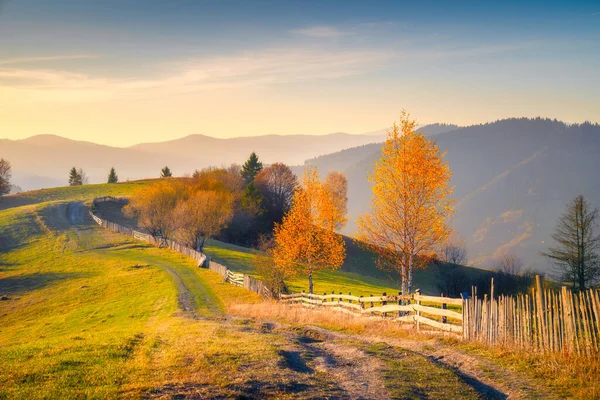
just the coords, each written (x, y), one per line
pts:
(120, 72)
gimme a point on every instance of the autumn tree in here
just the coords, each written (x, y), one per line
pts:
(166, 172)
(575, 254)
(251, 168)
(277, 184)
(305, 241)
(112, 176)
(410, 204)
(202, 216)
(264, 265)
(5, 175)
(154, 209)
(337, 185)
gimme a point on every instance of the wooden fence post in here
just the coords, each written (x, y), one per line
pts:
(418, 313)
(444, 307)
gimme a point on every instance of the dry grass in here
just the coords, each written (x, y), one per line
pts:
(571, 376)
(339, 321)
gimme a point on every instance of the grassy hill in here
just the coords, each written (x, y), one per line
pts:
(87, 313)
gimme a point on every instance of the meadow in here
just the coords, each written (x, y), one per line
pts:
(87, 313)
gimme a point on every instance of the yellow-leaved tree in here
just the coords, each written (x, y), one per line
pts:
(305, 241)
(411, 202)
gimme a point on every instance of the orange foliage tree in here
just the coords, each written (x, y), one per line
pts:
(411, 202)
(154, 206)
(201, 216)
(305, 241)
(337, 184)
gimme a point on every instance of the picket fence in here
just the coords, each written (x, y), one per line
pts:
(240, 280)
(416, 309)
(542, 320)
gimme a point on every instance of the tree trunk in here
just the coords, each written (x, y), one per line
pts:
(410, 273)
(310, 281)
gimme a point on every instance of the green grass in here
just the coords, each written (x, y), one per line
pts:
(73, 193)
(408, 375)
(93, 314)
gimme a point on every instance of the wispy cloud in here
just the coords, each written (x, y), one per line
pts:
(323, 32)
(26, 60)
(265, 67)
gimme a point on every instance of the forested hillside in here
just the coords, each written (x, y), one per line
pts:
(512, 180)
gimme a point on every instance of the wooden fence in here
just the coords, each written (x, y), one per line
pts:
(417, 309)
(542, 320)
(241, 280)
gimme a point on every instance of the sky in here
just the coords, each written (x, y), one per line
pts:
(121, 72)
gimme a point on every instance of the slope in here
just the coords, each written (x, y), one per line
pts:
(512, 179)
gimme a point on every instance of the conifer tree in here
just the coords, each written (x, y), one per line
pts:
(251, 168)
(75, 179)
(112, 176)
(166, 172)
(576, 253)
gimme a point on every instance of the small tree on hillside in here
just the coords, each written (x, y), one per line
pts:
(410, 205)
(75, 178)
(509, 263)
(251, 168)
(338, 188)
(82, 176)
(454, 252)
(306, 242)
(277, 184)
(165, 172)
(5, 175)
(112, 176)
(577, 246)
(202, 216)
(154, 208)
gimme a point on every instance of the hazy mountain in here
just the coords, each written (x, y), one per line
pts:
(512, 180)
(346, 158)
(45, 160)
(290, 149)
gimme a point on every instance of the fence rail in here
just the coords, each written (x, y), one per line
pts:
(542, 320)
(240, 280)
(400, 308)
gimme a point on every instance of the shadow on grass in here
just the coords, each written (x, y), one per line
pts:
(17, 285)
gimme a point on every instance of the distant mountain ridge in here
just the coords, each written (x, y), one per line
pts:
(44, 160)
(512, 180)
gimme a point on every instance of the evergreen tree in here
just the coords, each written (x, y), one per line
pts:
(577, 250)
(166, 172)
(75, 178)
(112, 176)
(251, 168)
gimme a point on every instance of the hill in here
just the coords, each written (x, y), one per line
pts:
(512, 180)
(45, 160)
(85, 312)
(345, 159)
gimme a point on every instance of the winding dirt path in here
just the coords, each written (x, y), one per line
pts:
(486, 377)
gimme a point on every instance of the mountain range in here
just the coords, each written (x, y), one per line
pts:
(45, 160)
